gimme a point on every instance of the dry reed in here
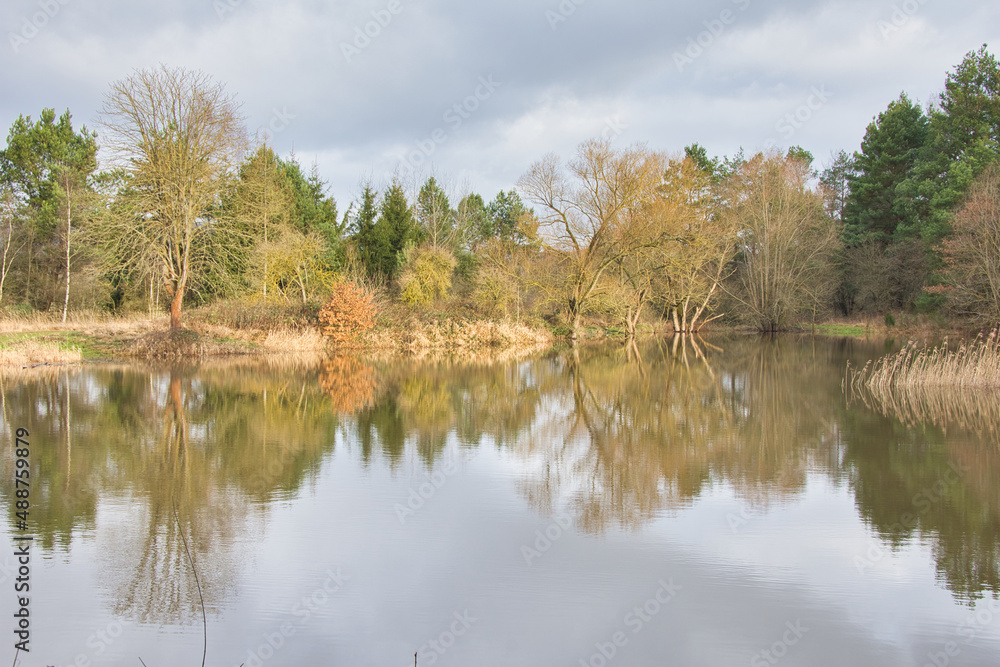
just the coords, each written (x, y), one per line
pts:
(30, 351)
(935, 385)
(975, 364)
(479, 336)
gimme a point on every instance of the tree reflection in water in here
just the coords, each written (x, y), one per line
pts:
(614, 435)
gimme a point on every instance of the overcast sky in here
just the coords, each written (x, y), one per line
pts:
(475, 92)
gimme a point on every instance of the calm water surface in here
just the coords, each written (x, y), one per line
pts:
(717, 505)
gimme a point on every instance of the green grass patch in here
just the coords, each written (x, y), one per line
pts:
(846, 330)
(90, 347)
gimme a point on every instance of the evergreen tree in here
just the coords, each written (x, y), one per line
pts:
(836, 184)
(364, 234)
(395, 230)
(315, 211)
(505, 212)
(699, 155)
(48, 166)
(435, 217)
(876, 210)
(472, 216)
(963, 139)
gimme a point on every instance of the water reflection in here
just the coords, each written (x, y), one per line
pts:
(616, 436)
(176, 455)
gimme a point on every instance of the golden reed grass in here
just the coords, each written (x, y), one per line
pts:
(938, 385)
(29, 351)
(460, 336)
(973, 364)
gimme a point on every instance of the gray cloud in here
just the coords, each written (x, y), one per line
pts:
(725, 74)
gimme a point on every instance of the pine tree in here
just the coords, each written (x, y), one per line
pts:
(49, 165)
(963, 139)
(364, 236)
(875, 210)
(395, 230)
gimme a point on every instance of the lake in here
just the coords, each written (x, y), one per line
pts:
(718, 502)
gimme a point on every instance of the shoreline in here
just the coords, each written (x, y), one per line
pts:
(144, 338)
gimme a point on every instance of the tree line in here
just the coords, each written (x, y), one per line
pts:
(185, 208)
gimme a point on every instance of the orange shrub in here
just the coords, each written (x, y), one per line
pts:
(349, 313)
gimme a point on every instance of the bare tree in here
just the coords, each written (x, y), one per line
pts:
(178, 135)
(973, 254)
(594, 215)
(697, 253)
(785, 240)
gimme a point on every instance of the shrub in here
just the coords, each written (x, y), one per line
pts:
(349, 313)
(427, 276)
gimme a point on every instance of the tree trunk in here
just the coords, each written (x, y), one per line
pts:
(69, 228)
(4, 266)
(574, 318)
(177, 300)
(175, 309)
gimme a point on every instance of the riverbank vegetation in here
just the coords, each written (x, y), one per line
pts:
(975, 364)
(942, 385)
(185, 214)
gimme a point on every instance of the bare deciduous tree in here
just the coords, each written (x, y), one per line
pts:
(785, 240)
(593, 213)
(973, 254)
(699, 247)
(178, 135)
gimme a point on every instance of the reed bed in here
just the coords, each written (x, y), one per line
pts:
(974, 364)
(471, 336)
(935, 385)
(30, 351)
(12, 322)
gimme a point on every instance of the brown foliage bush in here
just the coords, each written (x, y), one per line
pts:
(349, 313)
